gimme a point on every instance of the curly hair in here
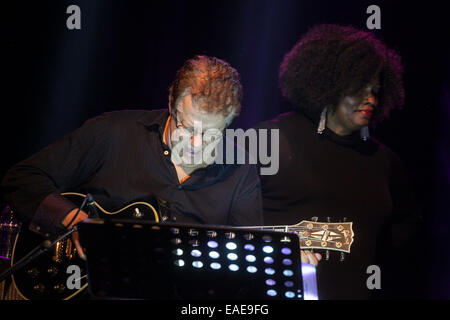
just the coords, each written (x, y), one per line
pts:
(214, 85)
(330, 62)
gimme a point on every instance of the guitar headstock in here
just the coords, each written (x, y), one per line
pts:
(337, 236)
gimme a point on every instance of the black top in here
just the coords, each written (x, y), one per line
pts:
(339, 176)
(119, 157)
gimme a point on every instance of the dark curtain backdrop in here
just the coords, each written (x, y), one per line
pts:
(127, 52)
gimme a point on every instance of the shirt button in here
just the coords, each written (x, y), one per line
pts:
(180, 187)
(166, 152)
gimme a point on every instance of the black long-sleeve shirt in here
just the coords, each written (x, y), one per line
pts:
(119, 157)
(342, 176)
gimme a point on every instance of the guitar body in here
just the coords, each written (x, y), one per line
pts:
(46, 276)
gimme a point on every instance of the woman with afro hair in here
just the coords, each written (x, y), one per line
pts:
(340, 81)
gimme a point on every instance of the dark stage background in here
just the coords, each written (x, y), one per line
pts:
(127, 52)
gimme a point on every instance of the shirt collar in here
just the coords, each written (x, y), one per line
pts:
(155, 119)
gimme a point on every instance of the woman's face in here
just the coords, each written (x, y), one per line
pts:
(355, 111)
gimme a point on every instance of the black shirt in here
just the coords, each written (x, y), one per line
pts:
(119, 157)
(341, 176)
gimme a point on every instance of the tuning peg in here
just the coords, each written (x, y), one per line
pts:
(327, 255)
(342, 254)
(328, 219)
(314, 219)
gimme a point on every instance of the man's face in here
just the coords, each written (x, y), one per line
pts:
(355, 111)
(194, 134)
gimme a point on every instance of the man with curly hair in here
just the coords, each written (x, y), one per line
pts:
(339, 81)
(122, 156)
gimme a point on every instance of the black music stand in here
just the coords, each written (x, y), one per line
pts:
(147, 260)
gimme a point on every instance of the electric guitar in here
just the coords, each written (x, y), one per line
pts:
(44, 277)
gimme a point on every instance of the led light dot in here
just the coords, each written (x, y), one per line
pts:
(176, 241)
(287, 262)
(286, 251)
(214, 254)
(196, 253)
(231, 245)
(289, 294)
(250, 258)
(215, 266)
(268, 260)
(197, 264)
(233, 267)
(252, 269)
(271, 282)
(232, 256)
(248, 236)
(267, 249)
(289, 284)
(271, 293)
(288, 273)
(269, 271)
(179, 263)
(249, 247)
(178, 252)
(213, 244)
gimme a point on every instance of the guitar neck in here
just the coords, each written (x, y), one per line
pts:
(276, 228)
(281, 228)
(318, 235)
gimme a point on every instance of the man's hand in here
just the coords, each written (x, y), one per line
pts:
(75, 238)
(309, 257)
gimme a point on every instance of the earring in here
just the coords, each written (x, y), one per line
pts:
(322, 122)
(364, 132)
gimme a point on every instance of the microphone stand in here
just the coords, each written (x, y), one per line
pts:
(40, 249)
